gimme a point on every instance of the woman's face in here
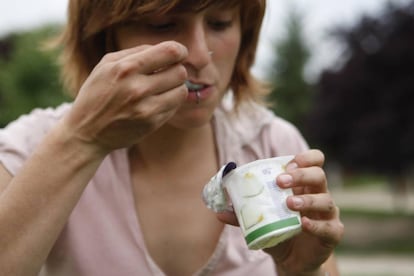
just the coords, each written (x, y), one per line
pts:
(212, 37)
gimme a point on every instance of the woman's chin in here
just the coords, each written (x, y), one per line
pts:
(194, 118)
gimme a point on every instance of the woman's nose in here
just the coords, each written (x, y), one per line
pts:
(199, 54)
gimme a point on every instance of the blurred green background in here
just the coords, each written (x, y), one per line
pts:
(360, 113)
(29, 73)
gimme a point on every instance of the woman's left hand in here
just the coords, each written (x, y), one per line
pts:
(321, 226)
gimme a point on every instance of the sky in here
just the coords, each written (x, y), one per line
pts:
(319, 17)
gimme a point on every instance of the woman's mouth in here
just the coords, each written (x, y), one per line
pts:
(196, 89)
(193, 87)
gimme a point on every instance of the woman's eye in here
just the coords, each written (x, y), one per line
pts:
(220, 25)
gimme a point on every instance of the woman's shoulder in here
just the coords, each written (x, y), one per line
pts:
(20, 137)
(38, 118)
(35, 124)
(260, 130)
(252, 119)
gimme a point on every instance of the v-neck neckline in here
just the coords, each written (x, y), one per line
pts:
(136, 229)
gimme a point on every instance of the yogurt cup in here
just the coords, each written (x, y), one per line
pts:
(259, 204)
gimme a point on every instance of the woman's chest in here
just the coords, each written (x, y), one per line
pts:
(180, 233)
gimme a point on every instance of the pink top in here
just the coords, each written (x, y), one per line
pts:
(103, 237)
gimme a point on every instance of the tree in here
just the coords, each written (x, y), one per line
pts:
(29, 76)
(291, 93)
(363, 113)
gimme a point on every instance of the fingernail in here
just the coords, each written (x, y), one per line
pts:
(285, 180)
(297, 202)
(291, 166)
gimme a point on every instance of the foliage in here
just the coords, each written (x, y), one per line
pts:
(291, 94)
(29, 75)
(363, 113)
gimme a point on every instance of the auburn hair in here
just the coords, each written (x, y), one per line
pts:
(86, 36)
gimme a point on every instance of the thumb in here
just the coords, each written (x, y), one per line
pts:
(228, 217)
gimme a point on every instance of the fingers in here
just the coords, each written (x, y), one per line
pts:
(147, 60)
(312, 203)
(329, 231)
(162, 55)
(150, 94)
(310, 158)
(228, 218)
(146, 70)
(163, 105)
(162, 81)
(115, 56)
(320, 216)
(311, 177)
(305, 174)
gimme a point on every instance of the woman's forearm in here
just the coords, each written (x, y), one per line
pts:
(36, 203)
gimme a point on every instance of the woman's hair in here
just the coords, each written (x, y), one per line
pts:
(87, 36)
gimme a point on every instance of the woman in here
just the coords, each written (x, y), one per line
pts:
(110, 184)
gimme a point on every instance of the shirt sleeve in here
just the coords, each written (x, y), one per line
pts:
(277, 138)
(285, 138)
(19, 138)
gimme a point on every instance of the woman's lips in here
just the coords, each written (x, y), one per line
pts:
(198, 92)
(194, 86)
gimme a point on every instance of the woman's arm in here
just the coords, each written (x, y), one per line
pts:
(36, 203)
(128, 94)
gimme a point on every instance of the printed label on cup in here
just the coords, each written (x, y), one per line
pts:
(259, 204)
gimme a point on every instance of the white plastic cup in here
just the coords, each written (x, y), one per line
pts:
(259, 203)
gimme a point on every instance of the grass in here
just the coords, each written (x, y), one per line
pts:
(364, 179)
(349, 213)
(369, 232)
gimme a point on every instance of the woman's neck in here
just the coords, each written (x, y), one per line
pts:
(169, 146)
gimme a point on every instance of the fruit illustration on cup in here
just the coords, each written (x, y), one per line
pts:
(250, 188)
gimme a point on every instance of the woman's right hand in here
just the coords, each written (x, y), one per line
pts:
(129, 94)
